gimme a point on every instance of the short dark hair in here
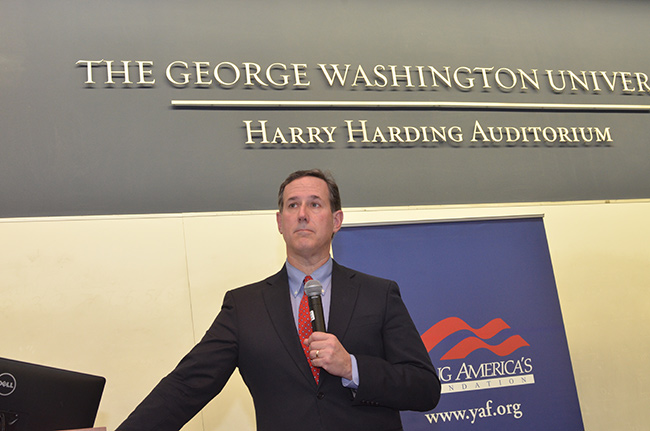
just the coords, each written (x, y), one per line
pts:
(335, 196)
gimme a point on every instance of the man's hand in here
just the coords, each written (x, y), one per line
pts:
(326, 352)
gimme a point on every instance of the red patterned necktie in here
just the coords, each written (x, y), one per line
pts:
(304, 328)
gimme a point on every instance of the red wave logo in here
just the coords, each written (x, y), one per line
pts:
(441, 330)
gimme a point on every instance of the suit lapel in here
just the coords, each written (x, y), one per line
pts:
(343, 300)
(278, 305)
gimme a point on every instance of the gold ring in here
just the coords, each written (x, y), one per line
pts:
(317, 352)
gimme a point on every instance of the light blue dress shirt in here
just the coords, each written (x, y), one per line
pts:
(324, 276)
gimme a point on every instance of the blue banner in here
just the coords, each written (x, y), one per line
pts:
(483, 296)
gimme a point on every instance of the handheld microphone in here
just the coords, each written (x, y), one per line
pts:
(313, 290)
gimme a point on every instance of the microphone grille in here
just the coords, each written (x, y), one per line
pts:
(313, 288)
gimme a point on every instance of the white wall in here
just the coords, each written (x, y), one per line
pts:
(125, 297)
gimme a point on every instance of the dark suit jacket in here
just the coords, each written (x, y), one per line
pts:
(255, 331)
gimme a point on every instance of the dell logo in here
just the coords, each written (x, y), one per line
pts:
(7, 384)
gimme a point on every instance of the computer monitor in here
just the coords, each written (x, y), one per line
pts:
(39, 398)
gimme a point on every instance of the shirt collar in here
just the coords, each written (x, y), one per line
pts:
(322, 274)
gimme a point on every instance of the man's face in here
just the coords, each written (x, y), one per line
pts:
(306, 221)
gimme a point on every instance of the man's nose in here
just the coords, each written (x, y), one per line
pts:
(302, 212)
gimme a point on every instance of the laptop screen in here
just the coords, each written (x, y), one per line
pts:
(39, 398)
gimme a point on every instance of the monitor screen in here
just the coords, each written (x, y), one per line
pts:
(39, 398)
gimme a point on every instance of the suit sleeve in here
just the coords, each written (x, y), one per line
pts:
(404, 378)
(198, 378)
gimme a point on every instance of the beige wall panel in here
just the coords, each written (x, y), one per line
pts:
(601, 257)
(102, 296)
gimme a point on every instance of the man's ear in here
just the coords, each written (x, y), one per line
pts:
(338, 220)
(278, 219)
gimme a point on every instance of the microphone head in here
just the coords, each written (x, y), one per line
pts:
(313, 288)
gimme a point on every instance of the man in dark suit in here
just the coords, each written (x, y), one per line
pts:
(369, 365)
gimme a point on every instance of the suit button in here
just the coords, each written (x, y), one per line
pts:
(320, 396)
